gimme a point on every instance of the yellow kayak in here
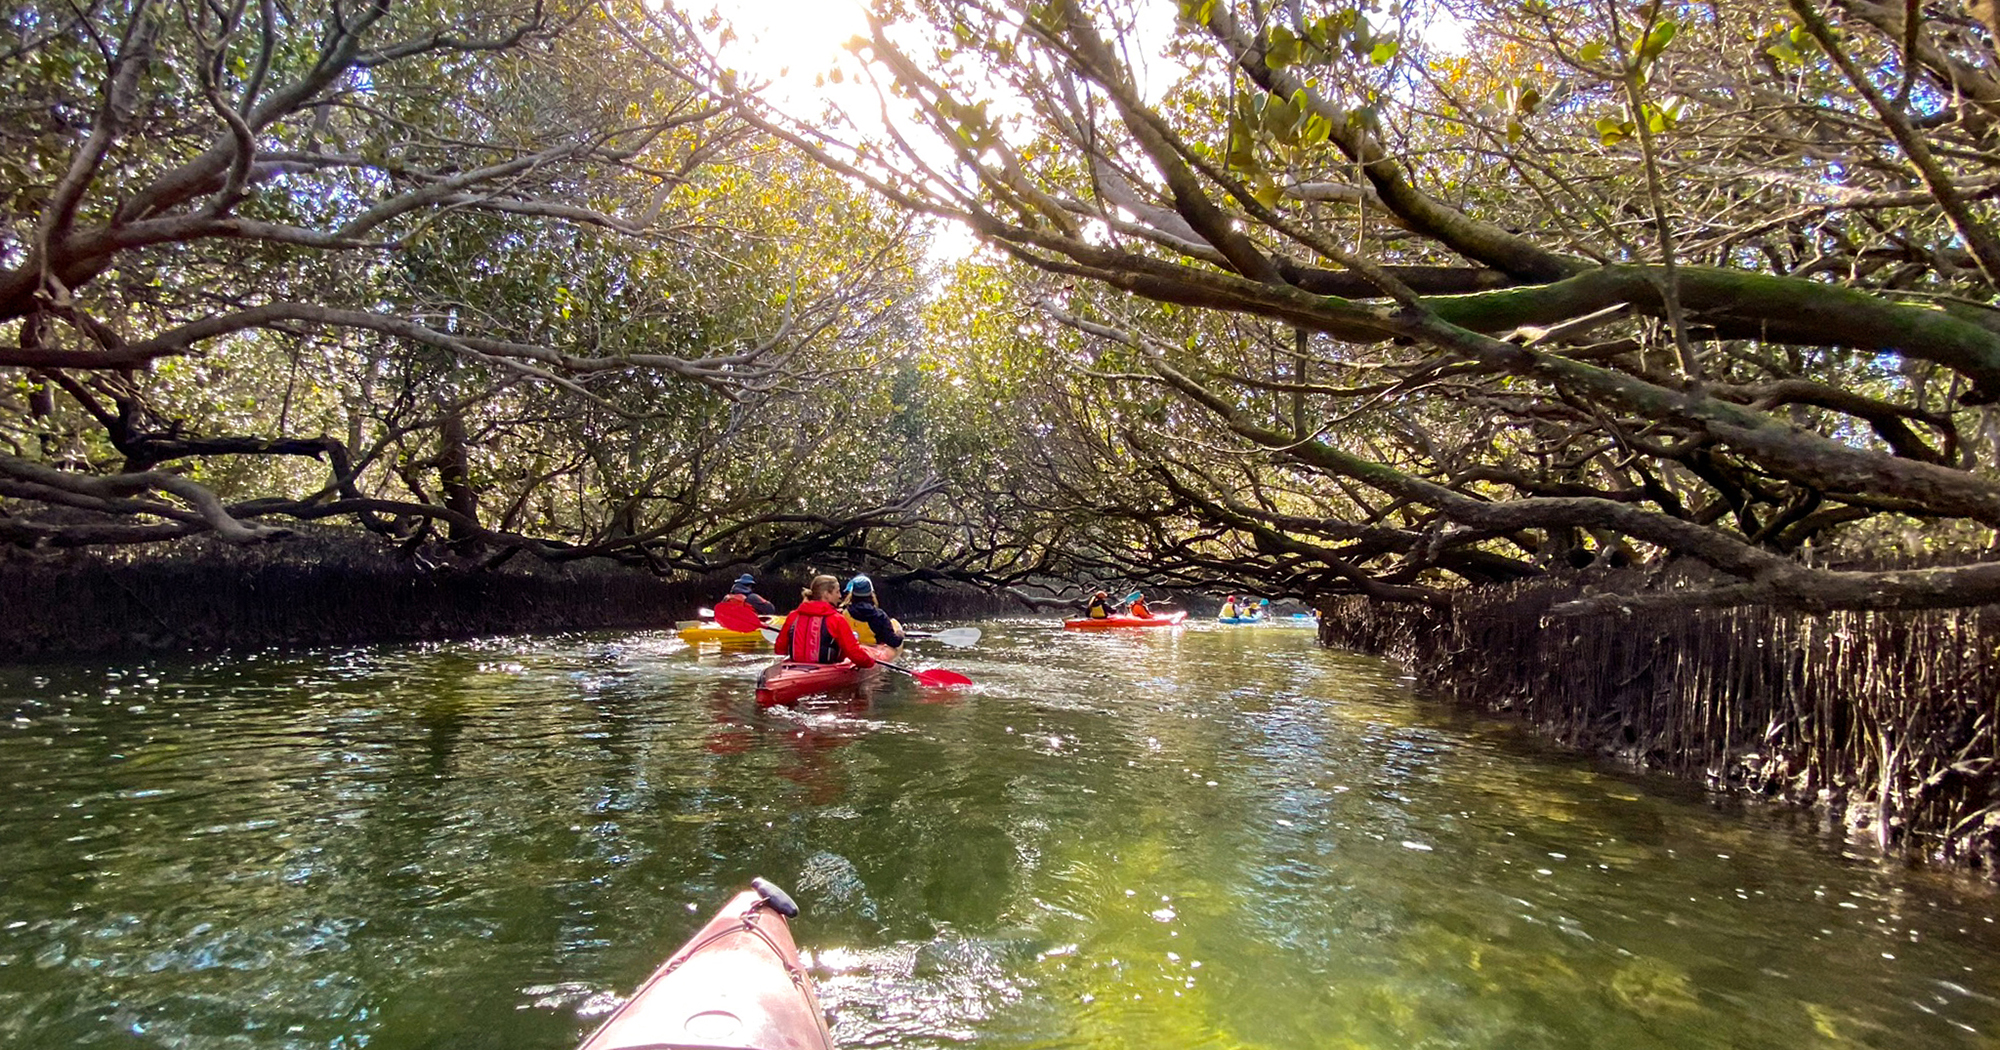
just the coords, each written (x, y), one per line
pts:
(714, 634)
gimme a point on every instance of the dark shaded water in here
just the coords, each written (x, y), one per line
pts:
(1221, 837)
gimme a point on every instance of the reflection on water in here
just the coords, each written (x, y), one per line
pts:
(1216, 837)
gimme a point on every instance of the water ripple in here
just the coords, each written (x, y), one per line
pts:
(1210, 837)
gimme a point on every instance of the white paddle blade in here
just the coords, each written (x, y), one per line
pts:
(957, 637)
(705, 613)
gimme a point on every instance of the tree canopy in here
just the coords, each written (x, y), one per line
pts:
(1308, 298)
(427, 266)
(1346, 309)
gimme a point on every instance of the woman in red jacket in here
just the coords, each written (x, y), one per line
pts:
(817, 633)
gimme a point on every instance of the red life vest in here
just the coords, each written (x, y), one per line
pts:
(809, 636)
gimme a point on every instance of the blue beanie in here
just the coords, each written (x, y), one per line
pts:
(861, 584)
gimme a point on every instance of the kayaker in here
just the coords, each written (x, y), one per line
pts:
(1100, 606)
(1228, 608)
(745, 590)
(816, 633)
(871, 625)
(1138, 607)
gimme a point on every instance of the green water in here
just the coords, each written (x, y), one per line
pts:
(1219, 837)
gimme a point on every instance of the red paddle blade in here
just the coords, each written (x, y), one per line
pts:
(938, 676)
(737, 616)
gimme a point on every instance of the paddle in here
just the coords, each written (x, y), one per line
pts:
(957, 637)
(936, 676)
(737, 616)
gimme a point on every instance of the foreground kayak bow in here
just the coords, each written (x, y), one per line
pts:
(737, 985)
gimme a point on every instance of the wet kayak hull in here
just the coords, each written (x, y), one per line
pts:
(737, 985)
(788, 683)
(1172, 619)
(713, 634)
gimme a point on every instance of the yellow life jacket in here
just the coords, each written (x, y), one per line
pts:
(862, 631)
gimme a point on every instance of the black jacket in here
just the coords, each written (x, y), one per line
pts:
(878, 623)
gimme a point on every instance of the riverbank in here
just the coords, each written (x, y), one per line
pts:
(1888, 721)
(337, 588)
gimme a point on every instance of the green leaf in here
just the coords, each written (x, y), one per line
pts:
(1264, 191)
(1384, 52)
(1200, 12)
(1242, 154)
(1657, 40)
(1280, 116)
(1283, 50)
(1333, 29)
(1592, 52)
(1659, 118)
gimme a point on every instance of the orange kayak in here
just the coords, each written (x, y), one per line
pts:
(1171, 619)
(737, 985)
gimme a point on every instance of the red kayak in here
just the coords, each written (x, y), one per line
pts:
(784, 682)
(1171, 619)
(738, 985)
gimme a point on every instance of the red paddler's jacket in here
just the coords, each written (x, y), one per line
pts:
(817, 633)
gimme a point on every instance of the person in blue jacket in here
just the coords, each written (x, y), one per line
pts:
(745, 590)
(870, 623)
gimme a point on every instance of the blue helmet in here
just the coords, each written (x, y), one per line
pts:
(861, 584)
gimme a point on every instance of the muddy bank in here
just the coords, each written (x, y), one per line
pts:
(336, 588)
(1889, 721)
